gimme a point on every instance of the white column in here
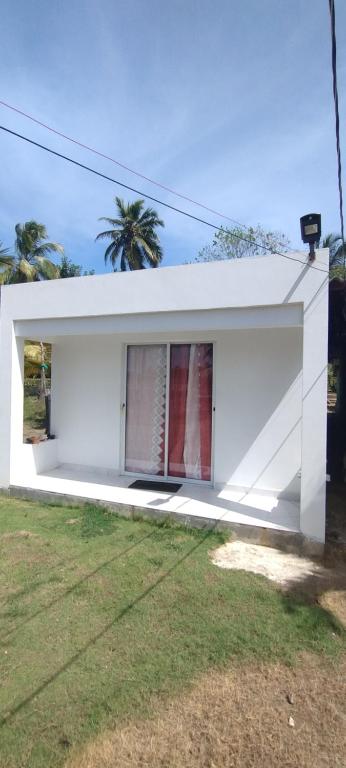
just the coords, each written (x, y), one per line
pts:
(314, 415)
(11, 399)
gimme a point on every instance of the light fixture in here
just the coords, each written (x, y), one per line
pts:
(310, 227)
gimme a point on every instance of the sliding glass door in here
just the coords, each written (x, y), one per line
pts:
(168, 428)
(146, 409)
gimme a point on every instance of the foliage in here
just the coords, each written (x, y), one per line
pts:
(337, 254)
(337, 272)
(31, 262)
(101, 615)
(34, 418)
(133, 236)
(6, 262)
(33, 358)
(68, 269)
(5, 255)
(37, 364)
(238, 243)
(332, 377)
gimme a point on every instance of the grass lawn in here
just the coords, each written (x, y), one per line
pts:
(100, 617)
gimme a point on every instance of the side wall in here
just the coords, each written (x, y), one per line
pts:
(86, 381)
(258, 409)
(258, 390)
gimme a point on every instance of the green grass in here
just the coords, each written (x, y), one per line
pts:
(100, 615)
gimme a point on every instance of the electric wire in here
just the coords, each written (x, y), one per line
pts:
(121, 165)
(150, 197)
(337, 121)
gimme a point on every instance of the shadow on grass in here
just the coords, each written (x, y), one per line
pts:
(4, 638)
(292, 605)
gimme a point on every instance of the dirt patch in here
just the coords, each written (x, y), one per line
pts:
(239, 719)
(335, 602)
(282, 567)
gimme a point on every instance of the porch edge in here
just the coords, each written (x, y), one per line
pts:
(287, 541)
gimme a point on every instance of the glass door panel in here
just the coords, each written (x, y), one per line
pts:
(190, 411)
(189, 418)
(145, 409)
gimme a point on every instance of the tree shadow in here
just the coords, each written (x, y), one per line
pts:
(97, 636)
(328, 577)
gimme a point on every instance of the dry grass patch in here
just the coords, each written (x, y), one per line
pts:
(18, 535)
(335, 602)
(239, 719)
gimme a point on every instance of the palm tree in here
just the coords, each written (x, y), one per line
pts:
(30, 263)
(5, 261)
(133, 236)
(337, 250)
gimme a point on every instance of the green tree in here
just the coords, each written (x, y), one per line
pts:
(238, 243)
(133, 236)
(30, 262)
(5, 260)
(337, 254)
(68, 269)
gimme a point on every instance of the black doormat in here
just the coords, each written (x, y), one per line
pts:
(154, 485)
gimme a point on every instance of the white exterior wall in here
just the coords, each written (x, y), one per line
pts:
(259, 390)
(86, 399)
(257, 422)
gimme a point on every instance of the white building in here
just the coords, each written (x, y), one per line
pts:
(213, 375)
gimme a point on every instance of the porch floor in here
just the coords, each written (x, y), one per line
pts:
(226, 504)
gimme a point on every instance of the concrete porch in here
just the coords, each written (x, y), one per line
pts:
(254, 515)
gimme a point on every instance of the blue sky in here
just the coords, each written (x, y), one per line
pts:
(228, 102)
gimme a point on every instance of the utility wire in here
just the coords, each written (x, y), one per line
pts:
(337, 121)
(153, 199)
(121, 165)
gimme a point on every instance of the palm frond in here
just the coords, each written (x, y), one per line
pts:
(150, 218)
(329, 240)
(337, 250)
(6, 260)
(29, 271)
(152, 252)
(112, 252)
(121, 206)
(46, 270)
(5, 276)
(129, 210)
(4, 252)
(44, 248)
(110, 233)
(112, 222)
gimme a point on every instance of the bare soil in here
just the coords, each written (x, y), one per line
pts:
(284, 568)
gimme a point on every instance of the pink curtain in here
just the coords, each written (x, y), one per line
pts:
(145, 409)
(190, 414)
(205, 407)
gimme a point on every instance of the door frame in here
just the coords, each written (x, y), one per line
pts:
(123, 408)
